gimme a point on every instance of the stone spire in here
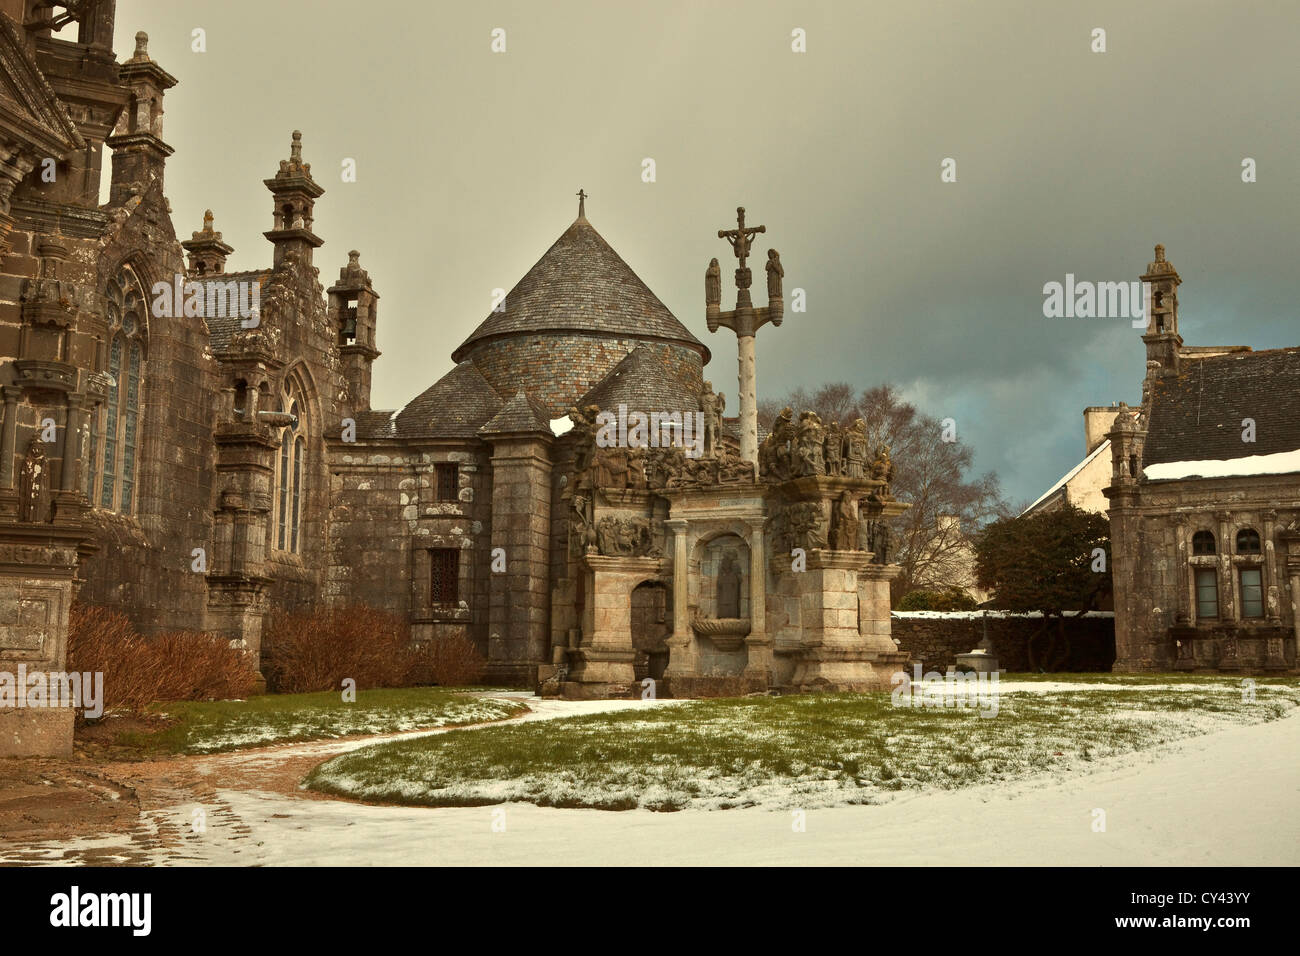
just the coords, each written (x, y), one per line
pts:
(295, 194)
(206, 251)
(353, 304)
(139, 153)
(1160, 285)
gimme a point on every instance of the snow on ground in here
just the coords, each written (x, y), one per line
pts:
(1162, 808)
(344, 723)
(1225, 798)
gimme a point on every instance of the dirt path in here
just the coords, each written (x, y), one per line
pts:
(170, 811)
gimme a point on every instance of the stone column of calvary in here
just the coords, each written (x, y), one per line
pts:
(744, 320)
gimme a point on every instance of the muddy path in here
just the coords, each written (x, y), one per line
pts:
(172, 810)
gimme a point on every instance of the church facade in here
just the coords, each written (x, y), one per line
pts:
(1204, 503)
(196, 447)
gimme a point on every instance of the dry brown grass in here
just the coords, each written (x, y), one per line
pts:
(178, 665)
(317, 649)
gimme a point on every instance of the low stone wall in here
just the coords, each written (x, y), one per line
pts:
(937, 637)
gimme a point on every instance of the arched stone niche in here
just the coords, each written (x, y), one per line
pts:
(723, 588)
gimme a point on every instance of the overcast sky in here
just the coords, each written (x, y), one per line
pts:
(1067, 161)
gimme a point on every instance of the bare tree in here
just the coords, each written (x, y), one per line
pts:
(934, 475)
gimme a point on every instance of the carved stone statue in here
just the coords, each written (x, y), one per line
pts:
(611, 468)
(809, 439)
(584, 430)
(34, 484)
(732, 468)
(729, 579)
(855, 450)
(844, 524)
(882, 469)
(713, 284)
(774, 453)
(800, 525)
(626, 537)
(882, 543)
(775, 272)
(583, 534)
(834, 449)
(712, 405)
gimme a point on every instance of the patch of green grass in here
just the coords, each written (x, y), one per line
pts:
(216, 726)
(795, 751)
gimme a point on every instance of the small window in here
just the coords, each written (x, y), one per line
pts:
(1252, 593)
(444, 582)
(1207, 595)
(348, 331)
(1203, 542)
(1248, 541)
(445, 475)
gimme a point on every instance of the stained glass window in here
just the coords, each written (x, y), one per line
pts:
(291, 472)
(111, 462)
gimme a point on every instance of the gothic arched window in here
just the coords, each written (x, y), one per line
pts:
(290, 472)
(111, 465)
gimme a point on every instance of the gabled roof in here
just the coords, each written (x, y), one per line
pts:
(1065, 480)
(582, 285)
(1197, 414)
(523, 413)
(455, 406)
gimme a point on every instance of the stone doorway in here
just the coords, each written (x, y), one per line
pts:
(651, 626)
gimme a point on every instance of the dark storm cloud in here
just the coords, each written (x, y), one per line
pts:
(1067, 161)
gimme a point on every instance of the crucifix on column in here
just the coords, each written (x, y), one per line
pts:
(744, 319)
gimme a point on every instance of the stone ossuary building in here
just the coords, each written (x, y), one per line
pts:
(196, 447)
(1205, 502)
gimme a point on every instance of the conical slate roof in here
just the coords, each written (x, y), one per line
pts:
(642, 381)
(582, 285)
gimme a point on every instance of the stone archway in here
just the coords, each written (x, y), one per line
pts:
(651, 626)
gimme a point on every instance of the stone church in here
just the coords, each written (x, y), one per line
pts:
(196, 447)
(1204, 498)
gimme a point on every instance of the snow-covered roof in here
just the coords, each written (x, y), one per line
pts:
(1280, 463)
(1070, 474)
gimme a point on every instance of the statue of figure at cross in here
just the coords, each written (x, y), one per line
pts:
(740, 237)
(745, 321)
(582, 201)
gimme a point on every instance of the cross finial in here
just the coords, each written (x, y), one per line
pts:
(582, 204)
(741, 236)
